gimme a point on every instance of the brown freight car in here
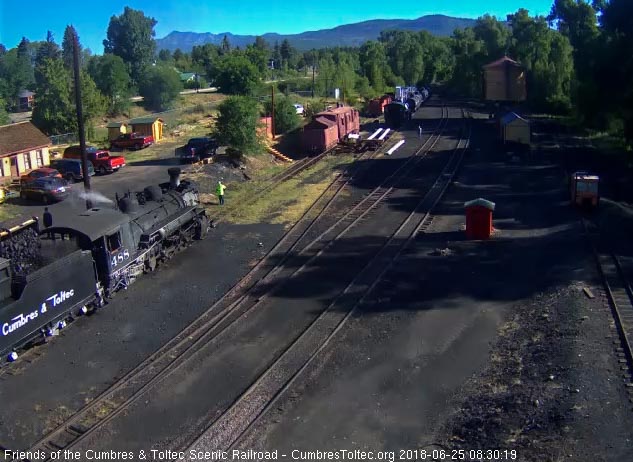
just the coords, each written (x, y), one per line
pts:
(376, 106)
(329, 127)
(346, 118)
(319, 135)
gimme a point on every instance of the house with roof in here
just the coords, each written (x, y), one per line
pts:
(504, 80)
(25, 100)
(148, 126)
(515, 129)
(23, 147)
(188, 77)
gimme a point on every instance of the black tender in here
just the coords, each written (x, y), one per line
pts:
(50, 275)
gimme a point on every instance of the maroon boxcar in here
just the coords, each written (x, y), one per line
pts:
(329, 127)
(319, 135)
(376, 106)
(346, 118)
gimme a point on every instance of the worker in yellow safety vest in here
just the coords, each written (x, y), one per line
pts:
(220, 192)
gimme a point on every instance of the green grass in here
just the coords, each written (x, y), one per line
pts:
(287, 202)
(99, 135)
(8, 211)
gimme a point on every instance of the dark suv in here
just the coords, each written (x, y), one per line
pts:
(197, 149)
(46, 189)
(71, 169)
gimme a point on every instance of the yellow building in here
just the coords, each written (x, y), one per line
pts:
(116, 129)
(148, 126)
(23, 147)
(504, 80)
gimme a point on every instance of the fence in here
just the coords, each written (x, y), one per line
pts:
(66, 138)
(305, 94)
(171, 119)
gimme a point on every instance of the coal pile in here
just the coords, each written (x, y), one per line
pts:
(523, 400)
(24, 250)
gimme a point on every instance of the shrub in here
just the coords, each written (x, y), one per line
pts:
(286, 117)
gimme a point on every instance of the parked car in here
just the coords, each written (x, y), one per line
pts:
(46, 189)
(101, 159)
(71, 169)
(132, 141)
(299, 108)
(197, 149)
(41, 172)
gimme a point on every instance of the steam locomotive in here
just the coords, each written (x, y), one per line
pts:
(396, 114)
(47, 276)
(406, 102)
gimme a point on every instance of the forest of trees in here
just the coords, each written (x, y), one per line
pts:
(579, 61)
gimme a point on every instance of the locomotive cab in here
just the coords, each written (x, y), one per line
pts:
(112, 252)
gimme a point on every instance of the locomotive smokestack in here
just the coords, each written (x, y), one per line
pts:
(174, 177)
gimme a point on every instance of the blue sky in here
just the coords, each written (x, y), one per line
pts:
(32, 18)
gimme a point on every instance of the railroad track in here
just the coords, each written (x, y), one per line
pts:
(227, 430)
(618, 291)
(620, 298)
(239, 300)
(296, 168)
(148, 372)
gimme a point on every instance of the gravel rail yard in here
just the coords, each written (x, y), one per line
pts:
(267, 316)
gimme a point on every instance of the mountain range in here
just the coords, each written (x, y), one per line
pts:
(347, 35)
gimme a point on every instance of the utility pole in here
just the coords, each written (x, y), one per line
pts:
(313, 67)
(272, 111)
(80, 121)
(343, 95)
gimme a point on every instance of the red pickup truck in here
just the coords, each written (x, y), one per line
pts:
(101, 159)
(132, 141)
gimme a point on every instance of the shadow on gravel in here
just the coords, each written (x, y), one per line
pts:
(167, 161)
(534, 249)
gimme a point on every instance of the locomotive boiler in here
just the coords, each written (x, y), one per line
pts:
(76, 265)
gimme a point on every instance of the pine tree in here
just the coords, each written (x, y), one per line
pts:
(53, 111)
(67, 46)
(225, 47)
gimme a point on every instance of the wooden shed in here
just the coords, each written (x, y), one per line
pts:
(115, 129)
(504, 80)
(515, 129)
(25, 100)
(148, 126)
